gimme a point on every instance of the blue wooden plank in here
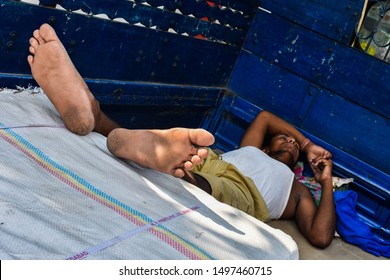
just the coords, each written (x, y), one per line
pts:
(13, 81)
(269, 86)
(135, 94)
(161, 18)
(155, 116)
(237, 14)
(229, 121)
(135, 105)
(333, 18)
(330, 65)
(245, 6)
(353, 129)
(328, 116)
(124, 52)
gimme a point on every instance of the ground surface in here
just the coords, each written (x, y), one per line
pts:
(338, 250)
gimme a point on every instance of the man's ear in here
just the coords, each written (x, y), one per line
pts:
(266, 150)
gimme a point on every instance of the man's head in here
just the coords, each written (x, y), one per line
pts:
(283, 148)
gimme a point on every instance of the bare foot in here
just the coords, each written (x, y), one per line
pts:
(55, 73)
(170, 151)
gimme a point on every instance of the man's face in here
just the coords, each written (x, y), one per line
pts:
(284, 148)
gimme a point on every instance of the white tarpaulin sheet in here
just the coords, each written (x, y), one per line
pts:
(64, 196)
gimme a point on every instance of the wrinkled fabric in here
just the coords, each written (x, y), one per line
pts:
(65, 196)
(353, 229)
(272, 178)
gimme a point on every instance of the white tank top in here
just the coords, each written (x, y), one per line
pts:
(272, 178)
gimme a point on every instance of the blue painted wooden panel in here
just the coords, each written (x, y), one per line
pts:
(353, 129)
(124, 52)
(237, 14)
(333, 66)
(268, 86)
(173, 14)
(334, 119)
(132, 93)
(132, 70)
(333, 18)
(155, 116)
(137, 105)
(343, 73)
(229, 121)
(125, 93)
(230, 11)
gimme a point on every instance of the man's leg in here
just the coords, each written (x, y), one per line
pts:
(169, 151)
(55, 73)
(198, 181)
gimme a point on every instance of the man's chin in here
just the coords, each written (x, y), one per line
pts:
(288, 160)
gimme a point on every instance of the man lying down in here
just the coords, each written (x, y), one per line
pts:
(255, 178)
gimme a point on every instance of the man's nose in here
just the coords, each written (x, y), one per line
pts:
(291, 140)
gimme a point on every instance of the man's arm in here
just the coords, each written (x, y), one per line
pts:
(317, 224)
(267, 124)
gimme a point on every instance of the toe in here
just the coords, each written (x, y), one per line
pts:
(196, 160)
(30, 59)
(32, 50)
(201, 137)
(34, 44)
(47, 32)
(38, 37)
(203, 153)
(178, 173)
(188, 165)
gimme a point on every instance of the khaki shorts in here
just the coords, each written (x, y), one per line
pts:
(230, 186)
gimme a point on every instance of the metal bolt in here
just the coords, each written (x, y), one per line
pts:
(117, 93)
(52, 20)
(10, 45)
(12, 35)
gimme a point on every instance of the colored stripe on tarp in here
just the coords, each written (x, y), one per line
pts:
(139, 219)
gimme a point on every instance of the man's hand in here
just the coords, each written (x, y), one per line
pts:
(322, 169)
(314, 152)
